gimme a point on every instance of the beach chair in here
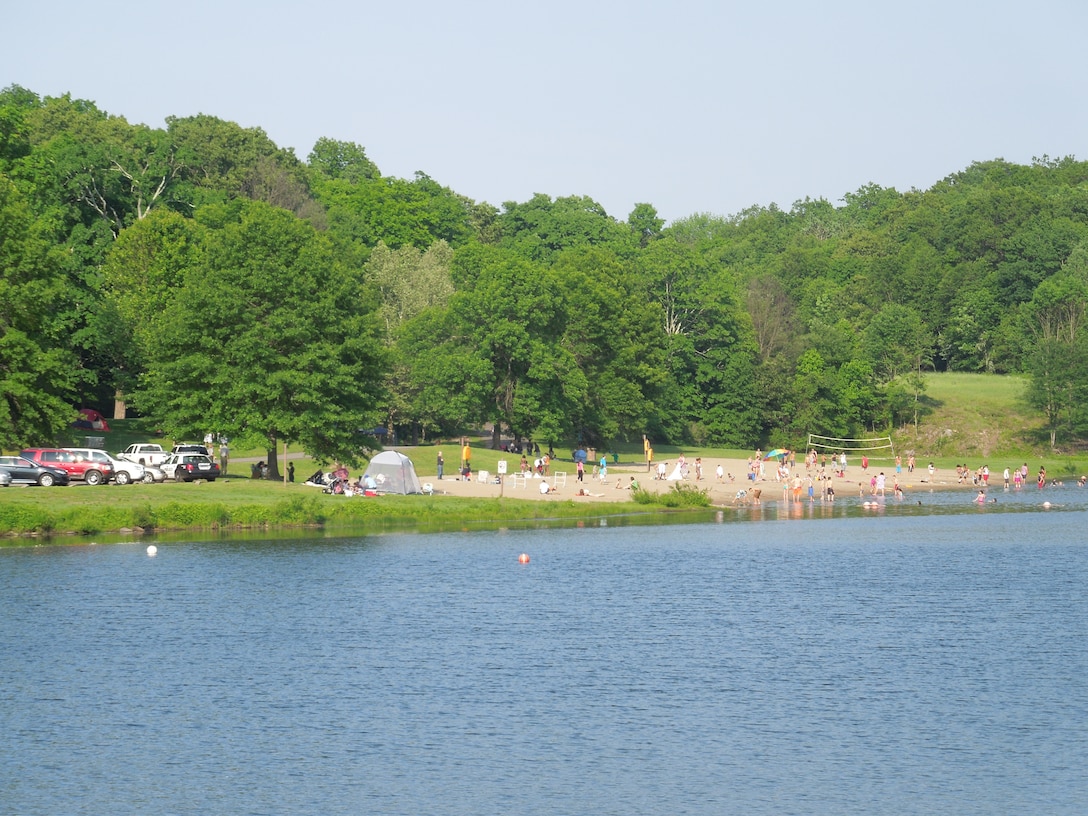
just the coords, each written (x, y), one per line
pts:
(559, 478)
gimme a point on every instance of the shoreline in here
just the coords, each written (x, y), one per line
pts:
(597, 500)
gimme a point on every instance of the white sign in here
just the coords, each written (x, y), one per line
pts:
(501, 470)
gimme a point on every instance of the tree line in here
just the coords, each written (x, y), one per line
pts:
(215, 281)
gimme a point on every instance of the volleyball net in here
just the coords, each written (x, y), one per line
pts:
(875, 448)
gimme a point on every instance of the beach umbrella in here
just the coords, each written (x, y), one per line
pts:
(777, 453)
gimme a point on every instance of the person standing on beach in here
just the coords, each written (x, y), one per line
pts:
(580, 467)
(441, 465)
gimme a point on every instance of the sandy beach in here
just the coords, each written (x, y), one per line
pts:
(615, 488)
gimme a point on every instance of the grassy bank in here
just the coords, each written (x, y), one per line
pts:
(243, 503)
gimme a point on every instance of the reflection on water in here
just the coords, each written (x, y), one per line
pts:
(923, 656)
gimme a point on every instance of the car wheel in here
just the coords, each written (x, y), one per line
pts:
(46, 480)
(148, 478)
(92, 477)
(123, 478)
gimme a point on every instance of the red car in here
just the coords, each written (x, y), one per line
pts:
(76, 466)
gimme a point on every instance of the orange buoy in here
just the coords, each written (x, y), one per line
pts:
(523, 558)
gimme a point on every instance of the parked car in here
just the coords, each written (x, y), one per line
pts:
(188, 447)
(5, 478)
(186, 467)
(153, 474)
(23, 471)
(124, 471)
(75, 465)
(145, 453)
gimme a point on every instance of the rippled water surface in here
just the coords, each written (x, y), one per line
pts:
(902, 659)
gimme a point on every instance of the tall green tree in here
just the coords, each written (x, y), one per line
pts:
(36, 369)
(540, 228)
(270, 338)
(409, 282)
(142, 274)
(616, 338)
(1057, 358)
(508, 316)
(896, 341)
(333, 159)
(709, 348)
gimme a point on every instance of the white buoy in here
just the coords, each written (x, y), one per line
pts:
(1046, 504)
(151, 550)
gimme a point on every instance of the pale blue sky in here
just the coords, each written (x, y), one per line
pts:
(692, 106)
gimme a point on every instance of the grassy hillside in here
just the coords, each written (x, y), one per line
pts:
(973, 415)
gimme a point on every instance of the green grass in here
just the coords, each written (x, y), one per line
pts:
(978, 419)
(239, 503)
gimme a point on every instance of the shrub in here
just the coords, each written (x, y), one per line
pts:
(679, 495)
(176, 514)
(19, 519)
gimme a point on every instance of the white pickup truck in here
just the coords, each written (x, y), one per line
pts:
(145, 454)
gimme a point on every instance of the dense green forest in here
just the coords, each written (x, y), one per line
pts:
(214, 281)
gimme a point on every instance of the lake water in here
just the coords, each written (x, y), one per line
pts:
(909, 659)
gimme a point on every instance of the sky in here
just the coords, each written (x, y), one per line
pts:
(691, 106)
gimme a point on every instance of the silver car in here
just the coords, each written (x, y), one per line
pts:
(5, 478)
(124, 471)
